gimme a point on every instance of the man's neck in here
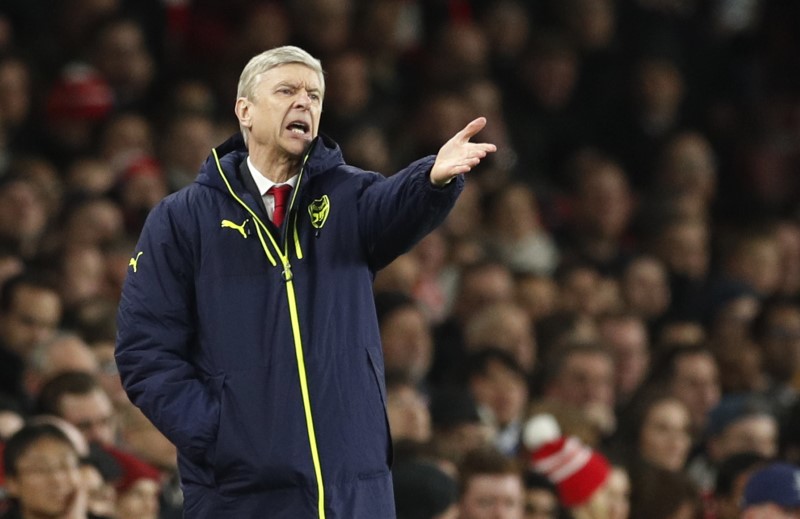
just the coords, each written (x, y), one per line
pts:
(276, 166)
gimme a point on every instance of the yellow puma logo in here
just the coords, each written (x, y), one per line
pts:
(135, 261)
(318, 210)
(230, 225)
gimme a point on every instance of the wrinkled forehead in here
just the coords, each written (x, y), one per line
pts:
(294, 74)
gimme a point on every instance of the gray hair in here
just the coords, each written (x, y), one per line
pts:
(270, 59)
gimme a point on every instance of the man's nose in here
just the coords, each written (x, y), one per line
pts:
(303, 99)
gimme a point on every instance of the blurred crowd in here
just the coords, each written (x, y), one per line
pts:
(627, 263)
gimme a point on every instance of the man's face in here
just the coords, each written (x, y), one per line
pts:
(47, 478)
(32, 317)
(284, 112)
(757, 433)
(586, 378)
(493, 496)
(696, 384)
(92, 413)
(540, 504)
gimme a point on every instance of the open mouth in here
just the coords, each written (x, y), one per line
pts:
(298, 127)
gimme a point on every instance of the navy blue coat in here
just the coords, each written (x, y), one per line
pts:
(256, 350)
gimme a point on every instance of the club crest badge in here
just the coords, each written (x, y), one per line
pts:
(318, 211)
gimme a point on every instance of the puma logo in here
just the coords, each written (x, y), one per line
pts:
(230, 225)
(135, 261)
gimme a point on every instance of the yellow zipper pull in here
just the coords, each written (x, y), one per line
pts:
(287, 270)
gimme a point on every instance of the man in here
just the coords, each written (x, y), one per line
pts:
(741, 422)
(42, 474)
(491, 486)
(581, 375)
(627, 337)
(691, 374)
(773, 492)
(247, 327)
(30, 312)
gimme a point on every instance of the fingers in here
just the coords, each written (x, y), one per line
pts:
(472, 128)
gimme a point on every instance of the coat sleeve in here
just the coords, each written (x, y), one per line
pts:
(157, 327)
(397, 212)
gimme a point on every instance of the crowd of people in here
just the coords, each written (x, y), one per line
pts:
(618, 285)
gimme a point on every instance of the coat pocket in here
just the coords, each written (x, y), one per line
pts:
(376, 366)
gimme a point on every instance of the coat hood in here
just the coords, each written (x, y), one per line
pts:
(324, 154)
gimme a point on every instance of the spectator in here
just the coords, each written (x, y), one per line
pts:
(42, 474)
(407, 410)
(500, 388)
(457, 425)
(582, 376)
(405, 336)
(541, 497)
(490, 486)
(739, 423)
(772, 492)
(423, 491)
(659, 493)
(776, 331)
(30, 312)
(656, 430)
(66, 352)
(580, 473)
(627, 337)
(505, 326)
(691, 374)
(733, 473)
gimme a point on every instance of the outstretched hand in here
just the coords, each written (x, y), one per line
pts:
(458, 155)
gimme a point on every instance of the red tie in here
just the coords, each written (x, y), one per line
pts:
(281, 194)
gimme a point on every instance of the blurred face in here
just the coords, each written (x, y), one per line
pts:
(770, 511)
(685, 249)
(538, 296)
(618, 492)
(492, 284)
(605, 201)
(781, 344)
(283, 115)
(501, 390)
(33, 317)
(493, 496)
(690, 167)
(101, 495)
(23, 214)
(408, 413)
(47, 479)
(140, 501)
(92, 414)
(540, 504)
(645, 288)
(758, 433)
(696, 384)
(407, 343)
(15, 97)
(629, 344)
(587, 378)
(664, 439)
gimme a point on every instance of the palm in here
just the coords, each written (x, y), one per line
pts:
(458, 155)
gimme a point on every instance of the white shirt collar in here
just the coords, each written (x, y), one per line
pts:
(263, 183)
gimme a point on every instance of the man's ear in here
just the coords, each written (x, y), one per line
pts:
(242, 110)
